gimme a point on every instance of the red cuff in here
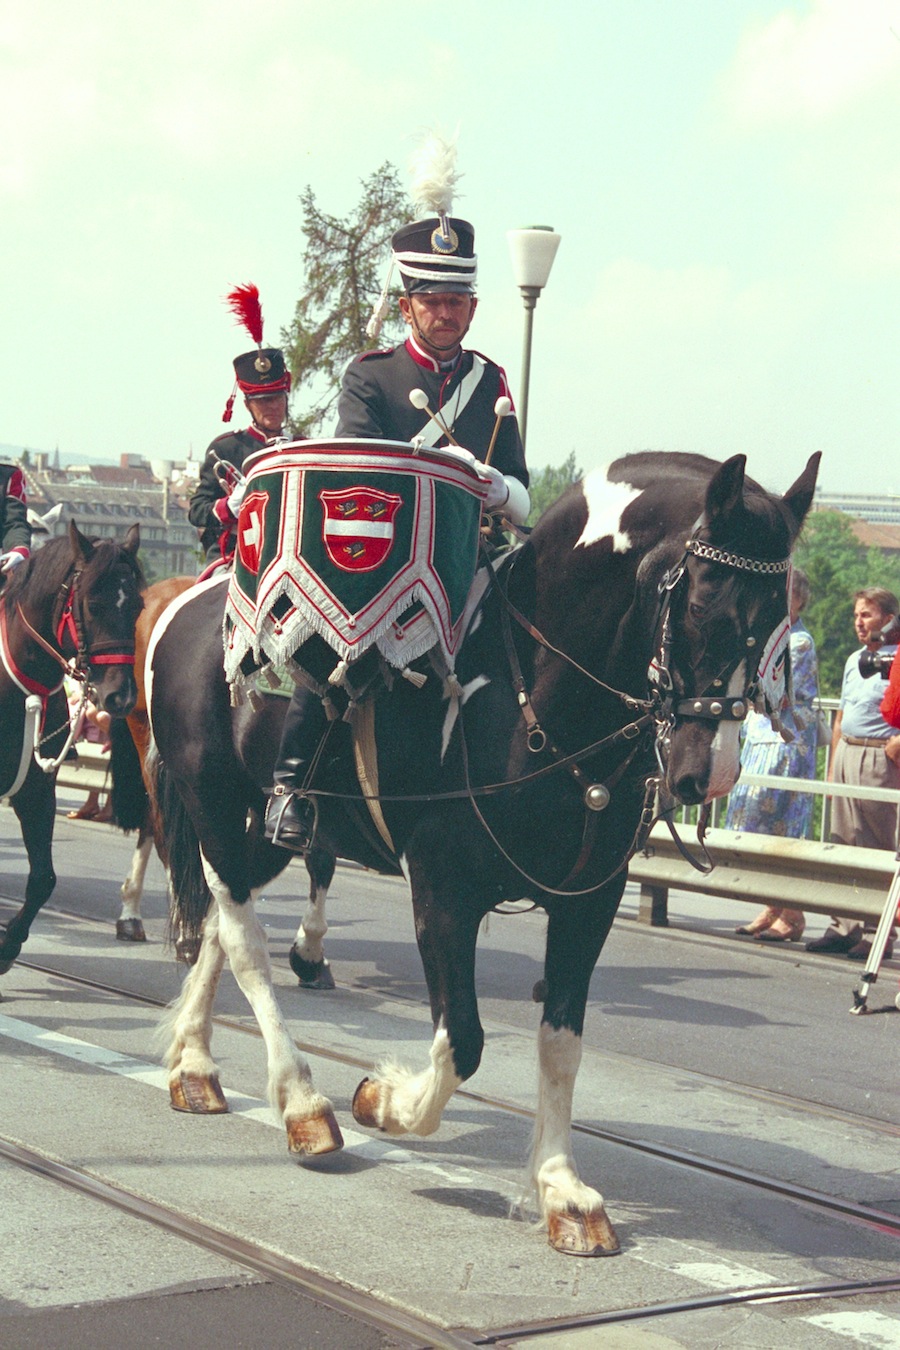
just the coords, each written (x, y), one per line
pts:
(25, 552)
(221, 511)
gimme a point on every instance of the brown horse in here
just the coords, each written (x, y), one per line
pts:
(131, 803)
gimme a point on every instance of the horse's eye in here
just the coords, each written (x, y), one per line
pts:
(696, 611)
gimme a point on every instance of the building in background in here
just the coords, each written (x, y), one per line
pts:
(104, 500)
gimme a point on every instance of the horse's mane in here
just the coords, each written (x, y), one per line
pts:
(48, 566)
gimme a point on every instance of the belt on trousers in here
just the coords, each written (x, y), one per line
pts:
(873, 742)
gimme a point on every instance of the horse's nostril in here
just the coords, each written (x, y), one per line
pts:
(690, 789)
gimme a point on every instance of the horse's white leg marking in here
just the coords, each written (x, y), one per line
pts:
(725, 748)
(414, 1103)
(605, 503)
(313, 927)
(244, 941)
(133, 885)
(453, 706)
(552, 1171)
(187, 1023)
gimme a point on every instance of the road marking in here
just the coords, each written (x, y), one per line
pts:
(251, 1108)
(721, 1274)
(872, 1329)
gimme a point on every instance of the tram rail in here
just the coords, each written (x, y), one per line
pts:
(415, 1331)
(866, 1215)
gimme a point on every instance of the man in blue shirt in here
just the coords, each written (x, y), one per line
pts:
(863, 748)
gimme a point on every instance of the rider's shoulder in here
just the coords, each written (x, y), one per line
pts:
(377, 354)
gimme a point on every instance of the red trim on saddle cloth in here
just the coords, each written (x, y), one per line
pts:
(18, 677)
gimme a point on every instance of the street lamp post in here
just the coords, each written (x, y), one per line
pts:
(532, 252)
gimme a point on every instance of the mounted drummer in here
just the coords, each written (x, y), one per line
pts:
(429, 390)
(15, 531)
(261, 377)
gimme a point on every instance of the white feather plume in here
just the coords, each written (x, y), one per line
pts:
(434, 175)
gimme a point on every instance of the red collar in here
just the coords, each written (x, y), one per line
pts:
(422, 358)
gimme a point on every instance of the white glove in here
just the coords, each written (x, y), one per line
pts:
(236, 497)
(498, 488)
(508, 494)
(10, 560)
(457, 452)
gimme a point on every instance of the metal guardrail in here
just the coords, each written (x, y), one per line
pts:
(90, 770)
(765, 870)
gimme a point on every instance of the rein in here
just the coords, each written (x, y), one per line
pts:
(68, 624)
(660, 709)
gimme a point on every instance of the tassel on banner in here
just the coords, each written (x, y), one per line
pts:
(415, 677)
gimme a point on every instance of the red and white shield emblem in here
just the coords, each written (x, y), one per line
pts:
(251, 528)
(358, 527)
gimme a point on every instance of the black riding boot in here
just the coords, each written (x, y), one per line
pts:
(291, 818)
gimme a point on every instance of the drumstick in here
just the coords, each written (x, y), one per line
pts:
(502, 408)
(419, 399)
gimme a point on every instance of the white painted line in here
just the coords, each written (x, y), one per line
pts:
(874, 1330)
(722, 1274)
(251, 1108)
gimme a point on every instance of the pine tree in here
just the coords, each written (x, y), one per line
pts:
(345, 263)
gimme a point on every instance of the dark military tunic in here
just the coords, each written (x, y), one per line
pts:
(207, 510)
(374, 402)
(15, 532)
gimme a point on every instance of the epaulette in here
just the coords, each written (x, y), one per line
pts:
(378, 351)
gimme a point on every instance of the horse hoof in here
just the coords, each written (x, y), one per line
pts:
(314, 1136)
(5, 966)
(366, 1103)
(576, 1234)
(539, 992)
(187, 950)
(130, 930)
(201, 1096)
(311, 974)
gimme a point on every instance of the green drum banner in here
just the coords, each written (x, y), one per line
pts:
(361, 542)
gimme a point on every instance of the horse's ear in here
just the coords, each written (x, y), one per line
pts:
(132, 539)
(81, 545)
(798, 498)
(726, 489)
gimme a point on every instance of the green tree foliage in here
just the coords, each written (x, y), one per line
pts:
(549, 483)
(345, 264)
(837, 565)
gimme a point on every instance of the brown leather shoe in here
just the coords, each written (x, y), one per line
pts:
(781, 931)
(764, 920)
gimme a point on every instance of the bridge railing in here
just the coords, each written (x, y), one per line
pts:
(808, 874)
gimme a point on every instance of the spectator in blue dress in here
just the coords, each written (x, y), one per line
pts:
(766, 810)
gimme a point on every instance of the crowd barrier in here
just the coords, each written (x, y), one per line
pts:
(89, 771)
(807, 874)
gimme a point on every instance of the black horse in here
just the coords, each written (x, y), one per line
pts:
(613, 655)
(72, 608)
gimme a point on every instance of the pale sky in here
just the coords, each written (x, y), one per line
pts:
(725, 176)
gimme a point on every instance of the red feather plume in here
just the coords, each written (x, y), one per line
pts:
(244, 304)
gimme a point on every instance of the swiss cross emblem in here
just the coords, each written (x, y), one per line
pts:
(250, 529)
(358, 526)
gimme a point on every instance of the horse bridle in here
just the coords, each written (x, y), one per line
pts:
(68, 623)
(709, 705)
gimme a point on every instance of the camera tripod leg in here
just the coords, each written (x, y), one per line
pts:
(879, 944)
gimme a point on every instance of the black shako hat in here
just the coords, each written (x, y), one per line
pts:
(436, 255)
(261, 371)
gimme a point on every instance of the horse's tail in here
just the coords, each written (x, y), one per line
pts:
(178, 846)
(130, 802)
